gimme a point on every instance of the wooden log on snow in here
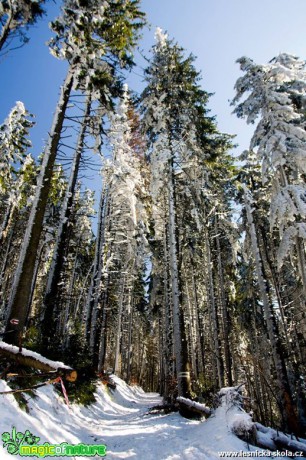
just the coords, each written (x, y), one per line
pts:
(269, 438)
(31, 359)
(286, 443)
(193, 407)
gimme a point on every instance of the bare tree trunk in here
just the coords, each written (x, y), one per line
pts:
(299, 242)
(168, 323)
(129, 344)
(288, 412)
(214, 315)
(6, 221)
(103, 331)
(179, 334)
(192, 335)
(300, 249)
(224, 312)
(51, 300)
(196, 314)
(117, 364)
(21, 290)
(94, 290)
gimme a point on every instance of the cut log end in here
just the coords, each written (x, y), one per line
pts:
(70, 376)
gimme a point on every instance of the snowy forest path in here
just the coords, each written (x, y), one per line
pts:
(120, 419)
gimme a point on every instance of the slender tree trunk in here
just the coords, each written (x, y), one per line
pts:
(196, 314)
(179, 334)
(93, 293)
(288, 412)
(300, 249)
(213, 309)
(168, 323)
(34, 280)
(103, 331)
(275, 281)
(7, 252)
(51, 300)
(129, 344)
(21, 290)
(299, 242)
(5, 224)
(5, 263)
(225, 317)
(117, 363)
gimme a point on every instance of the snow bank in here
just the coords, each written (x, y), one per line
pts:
(119, 419)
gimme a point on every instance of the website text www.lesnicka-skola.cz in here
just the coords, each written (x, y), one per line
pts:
(260, 453)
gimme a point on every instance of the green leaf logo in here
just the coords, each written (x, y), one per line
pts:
(14, 440)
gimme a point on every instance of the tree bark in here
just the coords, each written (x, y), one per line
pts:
(179, 334)
(51, 299)
(93, 294)
(224, 312)
(288, 412)
(213, 310)
(21, 290)
(117, 363)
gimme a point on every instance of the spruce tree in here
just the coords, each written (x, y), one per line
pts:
(181, 138)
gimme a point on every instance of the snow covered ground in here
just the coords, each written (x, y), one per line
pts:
(119, 419)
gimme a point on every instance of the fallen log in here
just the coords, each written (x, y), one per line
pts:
(190, 409)
(163, 408)
(286, 443)
(32, 359)
(269, 438)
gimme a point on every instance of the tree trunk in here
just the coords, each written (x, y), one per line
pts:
(167, 317)
(97, 269)
(225, 318)
(5, 224)
(129, 344)
(288, 412)
(21, 290)
(179, 334)
(117, 363)
(301, 262)
(51, 299)
(213, 310)
(196, 314)
(103, 331)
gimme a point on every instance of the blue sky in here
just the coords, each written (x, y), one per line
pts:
(216, 31)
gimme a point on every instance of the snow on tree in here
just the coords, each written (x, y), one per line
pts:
(110, 30)
(182, 139)
(15, 16)
(121, 240)
(14, 143)
(275, 93)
